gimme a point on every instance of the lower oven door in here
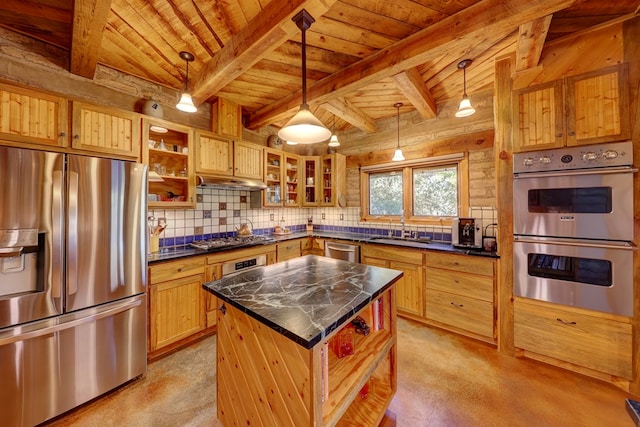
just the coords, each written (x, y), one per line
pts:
(577, 273)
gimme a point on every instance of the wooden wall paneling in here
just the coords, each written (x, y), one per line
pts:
(504, 193)
(632, 57)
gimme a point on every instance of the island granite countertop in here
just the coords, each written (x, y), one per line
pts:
(305, 298)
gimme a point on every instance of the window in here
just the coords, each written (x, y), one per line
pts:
(426, 191)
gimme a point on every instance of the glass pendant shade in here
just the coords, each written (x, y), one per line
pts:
(304, 128)
(333, 142)
(186, 104)
(398, 156)
(465, 109)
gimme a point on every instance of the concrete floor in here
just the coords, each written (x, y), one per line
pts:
(443, 380)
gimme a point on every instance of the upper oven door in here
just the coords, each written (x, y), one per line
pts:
(586, 204)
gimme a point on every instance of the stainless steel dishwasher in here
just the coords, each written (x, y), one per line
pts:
(342, 251)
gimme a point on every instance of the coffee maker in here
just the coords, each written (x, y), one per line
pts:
(467, 233)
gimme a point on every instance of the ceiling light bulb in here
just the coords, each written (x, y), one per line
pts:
(465, 109)
(333, 142)
(398, 156)
(186, 104)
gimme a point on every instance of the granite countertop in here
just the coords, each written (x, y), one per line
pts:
(187, 251)
(305, 298)
(633, 408)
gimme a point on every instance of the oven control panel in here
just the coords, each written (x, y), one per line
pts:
(582, 157)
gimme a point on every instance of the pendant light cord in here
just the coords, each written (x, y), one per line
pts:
(304, 65)
(464, 81)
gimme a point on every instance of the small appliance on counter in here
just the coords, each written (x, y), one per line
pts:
(466, 233)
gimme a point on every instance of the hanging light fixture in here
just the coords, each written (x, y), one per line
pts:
(333, 142)
(398, 156)
(186, 103)
(465, 109)
(304, 127)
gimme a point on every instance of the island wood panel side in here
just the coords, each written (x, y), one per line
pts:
(266, 376)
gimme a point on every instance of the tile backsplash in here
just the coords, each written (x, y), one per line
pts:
(219, 212)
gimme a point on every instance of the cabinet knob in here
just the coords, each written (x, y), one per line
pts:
(572, 133)
(456, 263)
(76, 136)
(457, 305)
(559, 135)
(63, 134)
(222, 309)
(564, 322)
(180, 269)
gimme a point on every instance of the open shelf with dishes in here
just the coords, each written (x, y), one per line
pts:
(167, 152)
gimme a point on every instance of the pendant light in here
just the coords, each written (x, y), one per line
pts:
(465, 109)
(304, 127)
(333, 142)
(398, 156)
(186, 103)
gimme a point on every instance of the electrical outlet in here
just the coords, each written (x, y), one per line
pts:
(341, 217)
(271, 217)
(198, 229)
(322, 216)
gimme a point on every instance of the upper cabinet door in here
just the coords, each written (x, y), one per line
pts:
(247, 160)
(539, 117)
(27, 116)
(598, 106)
(227, 118)
(106, 131)
(214, 155)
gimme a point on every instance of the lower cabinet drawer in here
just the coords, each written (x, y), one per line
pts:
(596, 343)
(471, 285)
(459, 311)
(288, 250)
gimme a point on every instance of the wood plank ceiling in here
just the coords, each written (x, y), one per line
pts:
(362, 55)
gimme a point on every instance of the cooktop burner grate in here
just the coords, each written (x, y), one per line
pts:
(224, 242)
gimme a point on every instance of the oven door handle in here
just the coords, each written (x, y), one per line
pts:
(595, 171)
(582, 244)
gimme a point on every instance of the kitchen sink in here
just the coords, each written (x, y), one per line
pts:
(401, 240)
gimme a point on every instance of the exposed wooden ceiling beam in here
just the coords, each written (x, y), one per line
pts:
(268, 30)
(348, 112)
(488, 18)
(531, 37)
(412, 85)
(89, 20)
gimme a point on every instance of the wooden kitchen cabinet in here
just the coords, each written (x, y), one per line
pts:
(333, 183)
(410, 288)
(561, 335)
(172, 158)
(175, 301)
(288, 249)
(214, 155)
(226, 118)
(281, 177)
(310, 180)
(103, 130)
(584, 109)
(247, 160)
(212, 272)
(459, 294)
(30, 117)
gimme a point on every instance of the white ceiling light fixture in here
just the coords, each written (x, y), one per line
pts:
(465, 109)
(398, 156)
(186, 103)
(333, 142)
(304, 127)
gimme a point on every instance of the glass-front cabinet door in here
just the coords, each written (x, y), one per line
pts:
(291, 180)
(273, 160)
(167, 150)
(311, 175)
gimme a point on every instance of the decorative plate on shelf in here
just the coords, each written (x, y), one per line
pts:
(274, 141)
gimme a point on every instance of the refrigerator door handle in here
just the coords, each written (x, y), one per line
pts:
(72, 235)
(68, 325)
(57, 235)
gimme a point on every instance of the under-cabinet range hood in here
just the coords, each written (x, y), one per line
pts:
(230, 182)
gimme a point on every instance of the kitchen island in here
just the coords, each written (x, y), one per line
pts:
(279, 328)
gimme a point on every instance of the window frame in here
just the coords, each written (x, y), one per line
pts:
(458, 160)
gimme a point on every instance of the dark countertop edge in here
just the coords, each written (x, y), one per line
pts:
(306, 343)
(633, 408)
(187, 251)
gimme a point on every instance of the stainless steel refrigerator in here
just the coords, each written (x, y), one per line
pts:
(72, 280)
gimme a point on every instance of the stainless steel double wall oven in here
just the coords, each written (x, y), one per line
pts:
(573, 226)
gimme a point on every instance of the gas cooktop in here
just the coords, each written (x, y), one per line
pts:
(227, 242)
